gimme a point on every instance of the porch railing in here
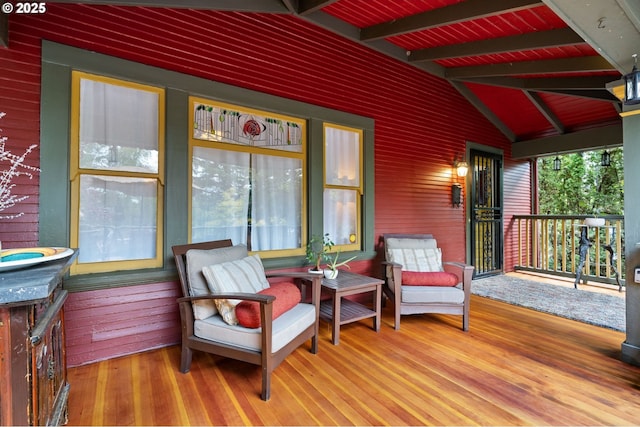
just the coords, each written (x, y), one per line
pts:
(551, 244)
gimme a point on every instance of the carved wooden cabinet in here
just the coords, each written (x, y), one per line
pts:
(33, 370)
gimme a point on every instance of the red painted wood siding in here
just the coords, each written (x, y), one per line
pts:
(421, 121)
(105, 323)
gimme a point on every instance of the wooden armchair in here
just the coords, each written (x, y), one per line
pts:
(204, 329)
(416, 281)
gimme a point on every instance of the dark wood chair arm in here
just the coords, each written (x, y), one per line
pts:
(393, 275)
(461, 265)
(467, 273)
(262, 299)
(293, 275)
(391, 264)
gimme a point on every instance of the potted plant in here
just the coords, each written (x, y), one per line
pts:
(318, 249)
(331, 272)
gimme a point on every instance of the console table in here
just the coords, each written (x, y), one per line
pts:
(341, 311)
(33, 368)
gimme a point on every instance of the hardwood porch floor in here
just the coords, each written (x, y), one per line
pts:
(514, 367)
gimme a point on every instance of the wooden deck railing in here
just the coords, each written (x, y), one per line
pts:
(551, 244)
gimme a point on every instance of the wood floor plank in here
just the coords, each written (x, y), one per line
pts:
(515, 366)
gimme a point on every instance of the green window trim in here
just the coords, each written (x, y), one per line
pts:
(58, 62)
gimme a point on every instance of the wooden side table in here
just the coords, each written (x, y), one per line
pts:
(339, 311)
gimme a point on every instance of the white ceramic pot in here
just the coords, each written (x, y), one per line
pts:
(594, 222)
(330, 274)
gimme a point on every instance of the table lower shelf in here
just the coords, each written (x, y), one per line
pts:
(350, 311)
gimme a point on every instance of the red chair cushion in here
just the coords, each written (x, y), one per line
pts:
(287, 296)
(429, 278)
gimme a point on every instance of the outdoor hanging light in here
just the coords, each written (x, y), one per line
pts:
(605, 159)
(557, 163)
(632, 84)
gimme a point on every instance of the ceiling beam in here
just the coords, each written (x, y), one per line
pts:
(584, 87)
(4, 30)
(544, 39)
(266, 6)
(291, 5)
(596, 95)
(590, 139)
(544, 109)
(544, 83)
(548, 66)
(483, 109)
(459, 12)
(308, 6)
(351, 32)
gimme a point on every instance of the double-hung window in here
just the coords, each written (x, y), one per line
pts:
(116, 172)
(247, 177)
(342, 185)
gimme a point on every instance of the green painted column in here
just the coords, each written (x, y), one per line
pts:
(631, 144)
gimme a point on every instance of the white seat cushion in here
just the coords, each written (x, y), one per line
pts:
(285, 328)
(432, 294)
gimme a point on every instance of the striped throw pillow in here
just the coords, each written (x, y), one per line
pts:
(417, 259)
(245, 275)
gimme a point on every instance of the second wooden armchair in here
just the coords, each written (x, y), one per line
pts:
(416, 281)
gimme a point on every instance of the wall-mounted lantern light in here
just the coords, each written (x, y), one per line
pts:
(461, 167)
(605, 159)
(557, 164)
(632, 84)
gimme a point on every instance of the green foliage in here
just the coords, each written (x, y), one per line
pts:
(582, 186)
(318, 249)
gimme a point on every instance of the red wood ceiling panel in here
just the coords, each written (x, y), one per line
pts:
(511, 105)
(576, 112)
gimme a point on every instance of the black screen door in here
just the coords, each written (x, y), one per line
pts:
(486, 216)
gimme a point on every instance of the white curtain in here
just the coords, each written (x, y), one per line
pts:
(342, 157)
(219, 195)
(276, 203)
(117, 218)
(232, 191)
(342, 171)
(118, 127)
(340, 214)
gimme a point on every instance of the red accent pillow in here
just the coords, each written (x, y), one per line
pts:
(429, 278)
(287, 296)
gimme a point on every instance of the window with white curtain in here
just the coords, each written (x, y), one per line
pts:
(247, 175)
(269, 175)
(342, 185)
(117, 147)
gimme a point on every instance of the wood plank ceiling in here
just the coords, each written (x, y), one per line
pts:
(516, 61)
